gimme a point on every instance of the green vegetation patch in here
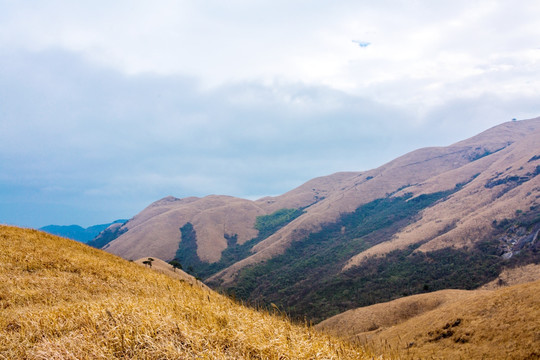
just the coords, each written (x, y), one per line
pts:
(186, 254)
(266, 224)
(534, 158)
(269, 224)
(400, 273)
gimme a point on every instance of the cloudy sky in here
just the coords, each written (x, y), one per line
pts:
(108, 106)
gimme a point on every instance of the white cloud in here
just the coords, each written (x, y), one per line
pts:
(127, 101)
(301, 41)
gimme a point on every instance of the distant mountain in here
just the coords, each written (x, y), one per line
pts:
(76, 232)
(435, 218)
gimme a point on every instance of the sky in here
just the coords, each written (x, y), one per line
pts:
(107, 106)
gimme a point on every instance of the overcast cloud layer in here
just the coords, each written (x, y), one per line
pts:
(108, 106)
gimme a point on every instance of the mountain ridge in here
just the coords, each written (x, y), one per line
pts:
(469, 148)
(468, 201)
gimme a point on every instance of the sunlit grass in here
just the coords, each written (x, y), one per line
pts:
(63, 300)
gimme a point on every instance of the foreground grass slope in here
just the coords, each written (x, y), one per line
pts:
(63, 300)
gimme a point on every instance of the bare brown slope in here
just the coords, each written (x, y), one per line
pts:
(514, 276)
(156, 230)
(309, 193)
(421, 171)
(366, 322)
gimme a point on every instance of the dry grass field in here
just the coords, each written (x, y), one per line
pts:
(64, 300)
(449, 324)
(515, 276)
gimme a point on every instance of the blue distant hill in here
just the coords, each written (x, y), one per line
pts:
(76, 232)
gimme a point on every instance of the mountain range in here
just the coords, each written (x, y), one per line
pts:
(76, 232)
(433, 219)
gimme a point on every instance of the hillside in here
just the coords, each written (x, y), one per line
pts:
(449, 324)
(514, 276)
(433, 219)
(60, 299)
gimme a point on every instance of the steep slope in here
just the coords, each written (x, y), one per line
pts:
(423, 171)
(450, 324)
(506, 182)
(156, 229)
(63, 300)
(457, 229)
(366, 322)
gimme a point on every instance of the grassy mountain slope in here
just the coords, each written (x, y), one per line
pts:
(266, 225)
(515, 276)
(156, 229)
(506, 184)
(64, 300)
(450, 324)
(501, 153)
(365, 322)
(436, 218)
(413, 240)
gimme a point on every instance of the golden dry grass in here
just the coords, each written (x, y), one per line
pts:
(63, 300)
(514, 276)
(365, 322)
(499, 324)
